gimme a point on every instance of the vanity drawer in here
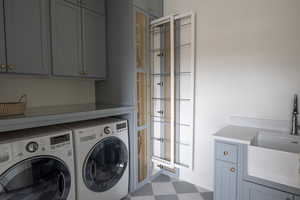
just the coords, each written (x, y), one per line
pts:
(226, 152)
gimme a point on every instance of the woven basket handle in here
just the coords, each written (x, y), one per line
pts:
(23, 99)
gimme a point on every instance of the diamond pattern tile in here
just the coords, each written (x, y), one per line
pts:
(166, 188)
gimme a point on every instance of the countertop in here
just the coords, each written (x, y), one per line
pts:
(51, 115)
(237, 134)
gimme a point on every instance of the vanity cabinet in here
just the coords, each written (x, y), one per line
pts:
(2, 40)
(226, 185)
(78, 41)
(257, 192)
(27, 37)
(226, 171)
(153, 7)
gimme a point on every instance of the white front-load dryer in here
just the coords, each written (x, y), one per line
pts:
(37, 164)
(102, 159)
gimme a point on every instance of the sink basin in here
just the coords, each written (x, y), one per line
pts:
(275, 157)
(277, 141)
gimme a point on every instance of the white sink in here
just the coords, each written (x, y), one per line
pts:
(277, 141)
(275, 157)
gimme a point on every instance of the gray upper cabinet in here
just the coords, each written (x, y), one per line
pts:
(94, 44)
(2, 40)
(153, 7)
(226, 181)
(27, 36)
(95, 5)
(256, 192)
(66, 39)
(78, 40)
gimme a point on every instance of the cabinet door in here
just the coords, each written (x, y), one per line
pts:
(66, 39)
(95, 5)
(258, 192)
(226, 181)
(27, 36)
(2, 40)
(94, 44)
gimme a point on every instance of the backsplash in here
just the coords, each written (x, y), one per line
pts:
(47, 92)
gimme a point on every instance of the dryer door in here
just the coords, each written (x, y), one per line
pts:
(38, 178)
(105, 164)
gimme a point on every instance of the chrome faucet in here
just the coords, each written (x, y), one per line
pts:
(295, 116)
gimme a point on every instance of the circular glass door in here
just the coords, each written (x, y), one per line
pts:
(39, 178)
(105, 164)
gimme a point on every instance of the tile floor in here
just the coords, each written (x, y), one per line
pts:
(165, 188)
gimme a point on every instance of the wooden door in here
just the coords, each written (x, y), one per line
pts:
(2, 40)
(66, 39)
(226, 181)
(94, 44)
(257, 192)
(27, 36)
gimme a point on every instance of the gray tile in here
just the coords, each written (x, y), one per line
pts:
(143, 198)
(163, 188)
(193, 196)
(162, 178)
(146, 190)
(166, 197)
(207, 195)
(201, 190)
(184, 187)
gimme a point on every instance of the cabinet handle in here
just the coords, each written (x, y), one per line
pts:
(81, 73)
(11, 67)
(160, 84)
(160, 112)
(226, 153)
(232, 169)
(160, 54)
(2, 66)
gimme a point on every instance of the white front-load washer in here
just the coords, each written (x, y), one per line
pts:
(101, 159)
(37, 164)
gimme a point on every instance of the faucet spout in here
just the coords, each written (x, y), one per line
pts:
(295, 116)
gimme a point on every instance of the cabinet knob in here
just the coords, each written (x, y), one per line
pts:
(232, 169)
(226, 153)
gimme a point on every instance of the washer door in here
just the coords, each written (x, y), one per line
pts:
(105, 164)
(38, 178)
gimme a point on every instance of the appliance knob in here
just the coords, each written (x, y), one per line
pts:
(32, 147)
(107, 130)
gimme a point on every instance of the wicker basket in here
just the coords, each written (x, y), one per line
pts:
(13, 108)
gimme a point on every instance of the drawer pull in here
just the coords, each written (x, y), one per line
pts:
(160, 54)
(232, 169)
(160, 84)
(226, 153)
(160, 112)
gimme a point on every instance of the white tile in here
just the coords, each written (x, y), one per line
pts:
(193, 196)
(163, 188)
(143, 198)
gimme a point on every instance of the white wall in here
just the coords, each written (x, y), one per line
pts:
(47, 92)
(248, 64)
